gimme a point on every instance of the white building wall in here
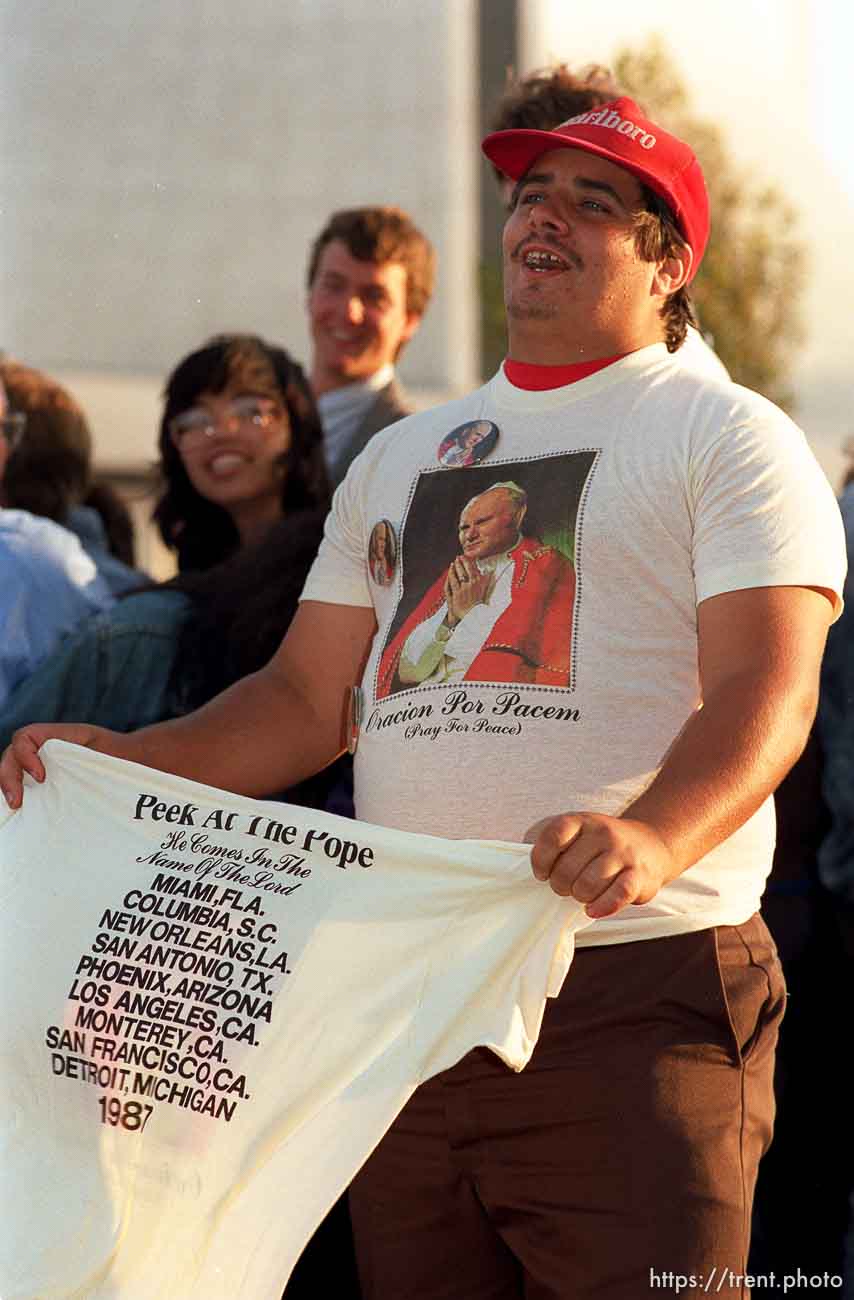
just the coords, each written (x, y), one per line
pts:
(166, 165)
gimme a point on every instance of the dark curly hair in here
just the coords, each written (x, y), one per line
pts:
(201, 532)
(549, 96)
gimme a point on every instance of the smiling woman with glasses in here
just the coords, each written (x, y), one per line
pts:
(240, 448)
(247, 416)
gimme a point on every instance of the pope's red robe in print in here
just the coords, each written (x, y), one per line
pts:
(529, 641)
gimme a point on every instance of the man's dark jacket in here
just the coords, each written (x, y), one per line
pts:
(390, 404)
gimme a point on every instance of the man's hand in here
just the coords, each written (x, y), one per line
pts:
(22, 755)
(465, 587)
(604, 862)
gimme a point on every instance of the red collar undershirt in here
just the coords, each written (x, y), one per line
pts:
(538, 378)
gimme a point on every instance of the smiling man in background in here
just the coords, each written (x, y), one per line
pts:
(370, 278)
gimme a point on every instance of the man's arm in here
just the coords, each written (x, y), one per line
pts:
(759, 659)
(265, 733)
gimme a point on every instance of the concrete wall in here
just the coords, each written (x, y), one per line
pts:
(166, 165)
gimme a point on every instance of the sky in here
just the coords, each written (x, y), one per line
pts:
(771, 74)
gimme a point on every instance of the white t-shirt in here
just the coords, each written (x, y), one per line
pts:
(696, 354)
(213, 1008)
(659, 487)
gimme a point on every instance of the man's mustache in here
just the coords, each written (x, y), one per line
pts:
(546, 241)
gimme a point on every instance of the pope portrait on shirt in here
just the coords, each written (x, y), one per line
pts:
(500, 612)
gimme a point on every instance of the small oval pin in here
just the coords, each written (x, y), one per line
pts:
(382, 552)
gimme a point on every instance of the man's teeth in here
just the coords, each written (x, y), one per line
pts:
(539, 260)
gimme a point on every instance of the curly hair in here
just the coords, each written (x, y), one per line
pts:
(549, 96)
(657, 236)
(201, 532)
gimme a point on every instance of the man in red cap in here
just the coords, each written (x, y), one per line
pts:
(636, 167)
(709, 561)
(543, 100)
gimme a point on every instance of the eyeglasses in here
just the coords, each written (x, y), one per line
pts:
(12, 427)
(245, 415)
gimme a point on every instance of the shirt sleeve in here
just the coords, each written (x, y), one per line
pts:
(764, 512)
(339, 574)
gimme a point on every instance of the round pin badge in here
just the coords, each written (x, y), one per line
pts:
(382, 552)
(468, 443)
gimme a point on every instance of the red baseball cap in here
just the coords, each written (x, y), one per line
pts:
(619, 132)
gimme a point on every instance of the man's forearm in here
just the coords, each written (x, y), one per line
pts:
(759, 653)
(257, 738)
(730, 756)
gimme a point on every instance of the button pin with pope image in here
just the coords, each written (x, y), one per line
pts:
(468, 444)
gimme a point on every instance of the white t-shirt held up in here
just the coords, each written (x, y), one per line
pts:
(213, 1008)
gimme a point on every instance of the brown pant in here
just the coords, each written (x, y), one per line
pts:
(620, 1163)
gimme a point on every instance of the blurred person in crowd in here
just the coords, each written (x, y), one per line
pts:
(50, 473)
(240, 448)
(172, 646)
(836, 733)
(809, 905)
(48, 584)
(835, 726)
(113, 521)
(370, 278)
(552, 95)
(805, 1231)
